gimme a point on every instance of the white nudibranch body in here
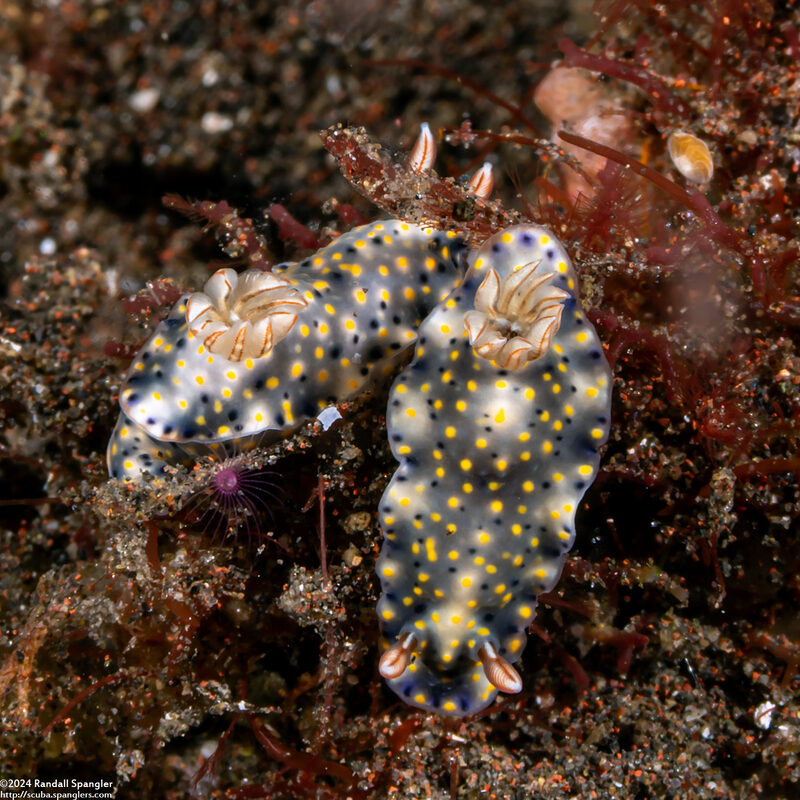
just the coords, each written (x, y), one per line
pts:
(496, 424)
(266, 351)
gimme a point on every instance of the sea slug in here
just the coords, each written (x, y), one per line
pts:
(496, 424)
(266, 351)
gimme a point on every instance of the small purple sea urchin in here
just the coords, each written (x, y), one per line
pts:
(236, 497)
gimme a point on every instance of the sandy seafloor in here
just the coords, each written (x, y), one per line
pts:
(133, 641)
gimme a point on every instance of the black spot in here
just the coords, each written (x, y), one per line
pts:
(279, 419)
(180, 343)
(159, 373)
(335, 351)
(595, 354)
(497, 247)
(545, 484)
(375, 353)
(396, 319)
(168, 430)
(151, 421)
(550, 253)
(526, 238)
(145, 355)
(189, 433)
(203, 398)
(132, 398)
(373, 323)
(233, 415)
(238, 428)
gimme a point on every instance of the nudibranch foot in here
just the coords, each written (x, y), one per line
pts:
(496, 426)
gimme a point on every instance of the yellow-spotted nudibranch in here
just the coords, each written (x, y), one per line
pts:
(496, 424)
(266, 351)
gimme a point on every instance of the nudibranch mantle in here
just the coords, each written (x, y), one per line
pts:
(267, 351)
(495, 456)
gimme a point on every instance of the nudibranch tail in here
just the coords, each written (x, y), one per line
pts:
(266, 351)
(496, 424)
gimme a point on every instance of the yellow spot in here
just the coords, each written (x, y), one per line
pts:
(388, 572)
(440, 472)
(323, 328)
(181, 363)
(329, 308)
(546, 416)
(436, 516)
(591, 391)
(452, 502)
(582, 336)
(597, 433)
(423, 577)
(472, 386)
(156, 396)
(585, 469)
(297, 370)
(304, 329)
(467, 488)
(569, 410)
(524, 436)
(554, 514)
(445, 328)
(516, 529)
(540, 573)
(227, 393)
(404, 449)
(453, 555)
(128, 465)
(528, 486)
(525, 612)
(556, 388)
(482, 631)
(480, 443)
(222, 430)
(466, 582)
(517, 562)
(558, 477)
(449, 705)
(419, 698)
(497, 506)
(547, 447)
(404, 501)
(408, 293)
(322, 376)
(386, 614)
(461, 405)
(484, 538)
(411, 412)
(420, 624)
(500, 416)
(200, 380)
(562, 367)
(449, 431)
(272, 383)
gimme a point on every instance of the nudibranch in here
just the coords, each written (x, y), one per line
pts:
(496, 424)
(266, 351)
